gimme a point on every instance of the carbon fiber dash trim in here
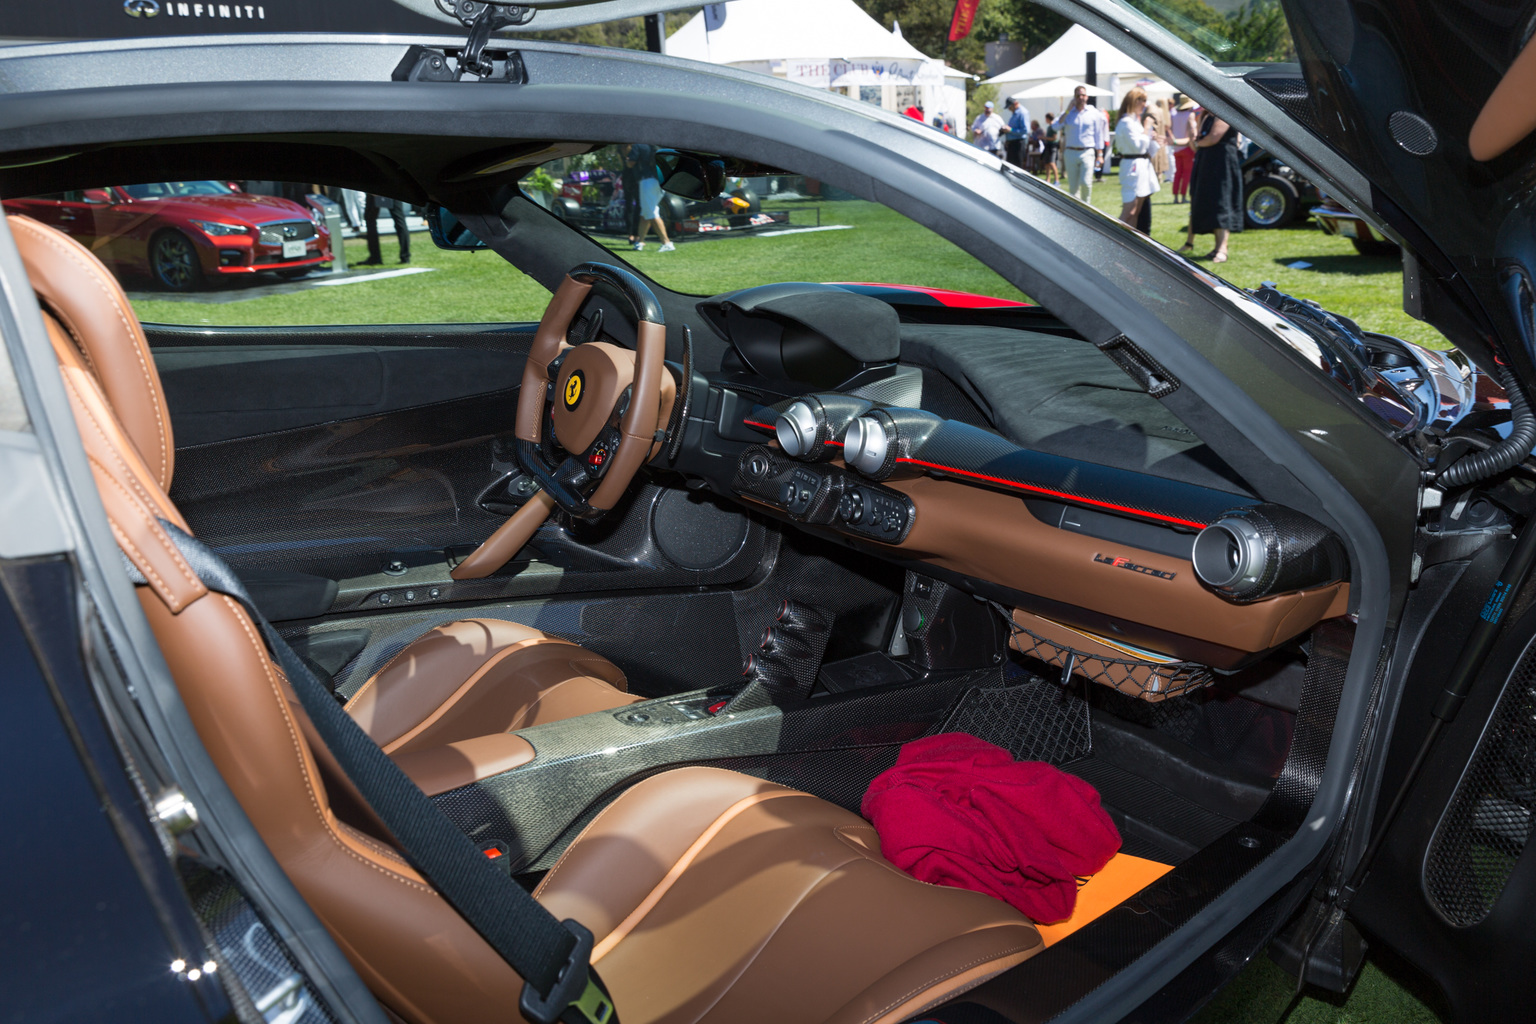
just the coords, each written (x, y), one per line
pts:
(972, 454)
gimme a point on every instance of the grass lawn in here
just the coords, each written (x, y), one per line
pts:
(1368, 289)
(879, 245)
(1384, 993)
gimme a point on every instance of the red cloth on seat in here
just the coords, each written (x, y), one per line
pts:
(956, 810)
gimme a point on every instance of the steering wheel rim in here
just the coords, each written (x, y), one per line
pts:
(626, 447)
(624, 454)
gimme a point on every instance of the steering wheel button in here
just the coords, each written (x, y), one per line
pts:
(598, 457)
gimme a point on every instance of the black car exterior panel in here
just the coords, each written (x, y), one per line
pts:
(1393, 904)
(91, 935)
(1036, 240)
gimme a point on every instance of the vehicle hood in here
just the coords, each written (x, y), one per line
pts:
(238, 206)
(1381, 110)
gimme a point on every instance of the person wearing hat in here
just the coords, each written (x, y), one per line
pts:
(988, 128)
(1186, 116)
(1018, 132)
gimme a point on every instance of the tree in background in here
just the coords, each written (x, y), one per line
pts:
(925, 24)
(1233, 30)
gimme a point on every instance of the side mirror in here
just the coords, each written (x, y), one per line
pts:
(447, 232)
(700, 178)
(96, 195)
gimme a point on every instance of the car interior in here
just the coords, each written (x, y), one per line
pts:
(646, 594)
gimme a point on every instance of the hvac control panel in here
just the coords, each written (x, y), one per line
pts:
(824, 495)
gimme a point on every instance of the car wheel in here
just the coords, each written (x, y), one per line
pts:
(1270, 202)
(1374, 246)
(174, 262)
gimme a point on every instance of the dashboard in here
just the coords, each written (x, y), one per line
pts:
(1125, 556)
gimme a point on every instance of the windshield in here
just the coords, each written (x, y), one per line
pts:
(164, 189)
(1241, 31)
(760, 230)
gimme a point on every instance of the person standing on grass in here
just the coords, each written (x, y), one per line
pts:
(396, 207)
(1162, 165)
(1216, 193)
(988, 128)
(644, 158)
(1018, 131)
(1136, 146)
(1052, 144)
(1186, 119)
(1085, 133)
(629, 181)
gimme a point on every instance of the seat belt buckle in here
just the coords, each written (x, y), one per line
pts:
(578, 995)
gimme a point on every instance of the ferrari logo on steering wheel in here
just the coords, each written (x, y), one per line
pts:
(573, 389)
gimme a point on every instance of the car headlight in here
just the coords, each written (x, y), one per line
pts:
(215, 228)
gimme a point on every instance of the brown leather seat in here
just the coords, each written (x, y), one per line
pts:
(714, 897)
(431, 692)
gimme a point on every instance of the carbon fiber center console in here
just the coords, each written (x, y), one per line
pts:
(582, 763)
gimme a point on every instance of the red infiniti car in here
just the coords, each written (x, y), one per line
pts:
(183, 234)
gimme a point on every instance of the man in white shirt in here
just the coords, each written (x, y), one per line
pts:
(1085, 131)
(987, 128)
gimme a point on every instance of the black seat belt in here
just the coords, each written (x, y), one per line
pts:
(552, 956)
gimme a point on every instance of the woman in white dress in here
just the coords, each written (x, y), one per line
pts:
(1136, 146)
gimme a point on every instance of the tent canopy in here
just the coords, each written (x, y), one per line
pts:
(1067, 57)
(1059, 87)
(824, 44)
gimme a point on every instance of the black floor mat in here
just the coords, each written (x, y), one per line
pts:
(1154, 822)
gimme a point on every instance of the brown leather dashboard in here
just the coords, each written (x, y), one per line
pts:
(992, 536)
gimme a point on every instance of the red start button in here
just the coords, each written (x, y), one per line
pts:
(598, 457)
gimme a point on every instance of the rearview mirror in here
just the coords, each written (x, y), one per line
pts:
(690, 175)
(447, 232)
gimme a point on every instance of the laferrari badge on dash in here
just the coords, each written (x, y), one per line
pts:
(1121, 562)
(573, 388)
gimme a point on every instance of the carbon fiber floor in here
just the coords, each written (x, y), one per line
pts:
(1154, 821)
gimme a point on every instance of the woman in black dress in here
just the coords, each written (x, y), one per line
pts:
(1216, 189)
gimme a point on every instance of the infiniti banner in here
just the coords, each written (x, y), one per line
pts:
(134, 19)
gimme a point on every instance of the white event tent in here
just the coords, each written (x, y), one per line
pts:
(1067, 57)
(824, 44)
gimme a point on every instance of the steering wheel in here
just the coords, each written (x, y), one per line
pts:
(601, 405)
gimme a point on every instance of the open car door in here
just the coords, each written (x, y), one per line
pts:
(1416, 114)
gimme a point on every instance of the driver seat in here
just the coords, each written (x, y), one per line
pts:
(460, 681)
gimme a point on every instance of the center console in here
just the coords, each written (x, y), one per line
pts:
(823, 494)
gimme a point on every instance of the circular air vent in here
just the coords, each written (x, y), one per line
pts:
(1413, 133)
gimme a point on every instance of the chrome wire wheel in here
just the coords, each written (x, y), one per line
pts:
(1269, 205)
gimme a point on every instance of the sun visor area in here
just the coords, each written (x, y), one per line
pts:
(808, 332)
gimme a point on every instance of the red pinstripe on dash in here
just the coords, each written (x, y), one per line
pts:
(1125, 509)
(1058, 494)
